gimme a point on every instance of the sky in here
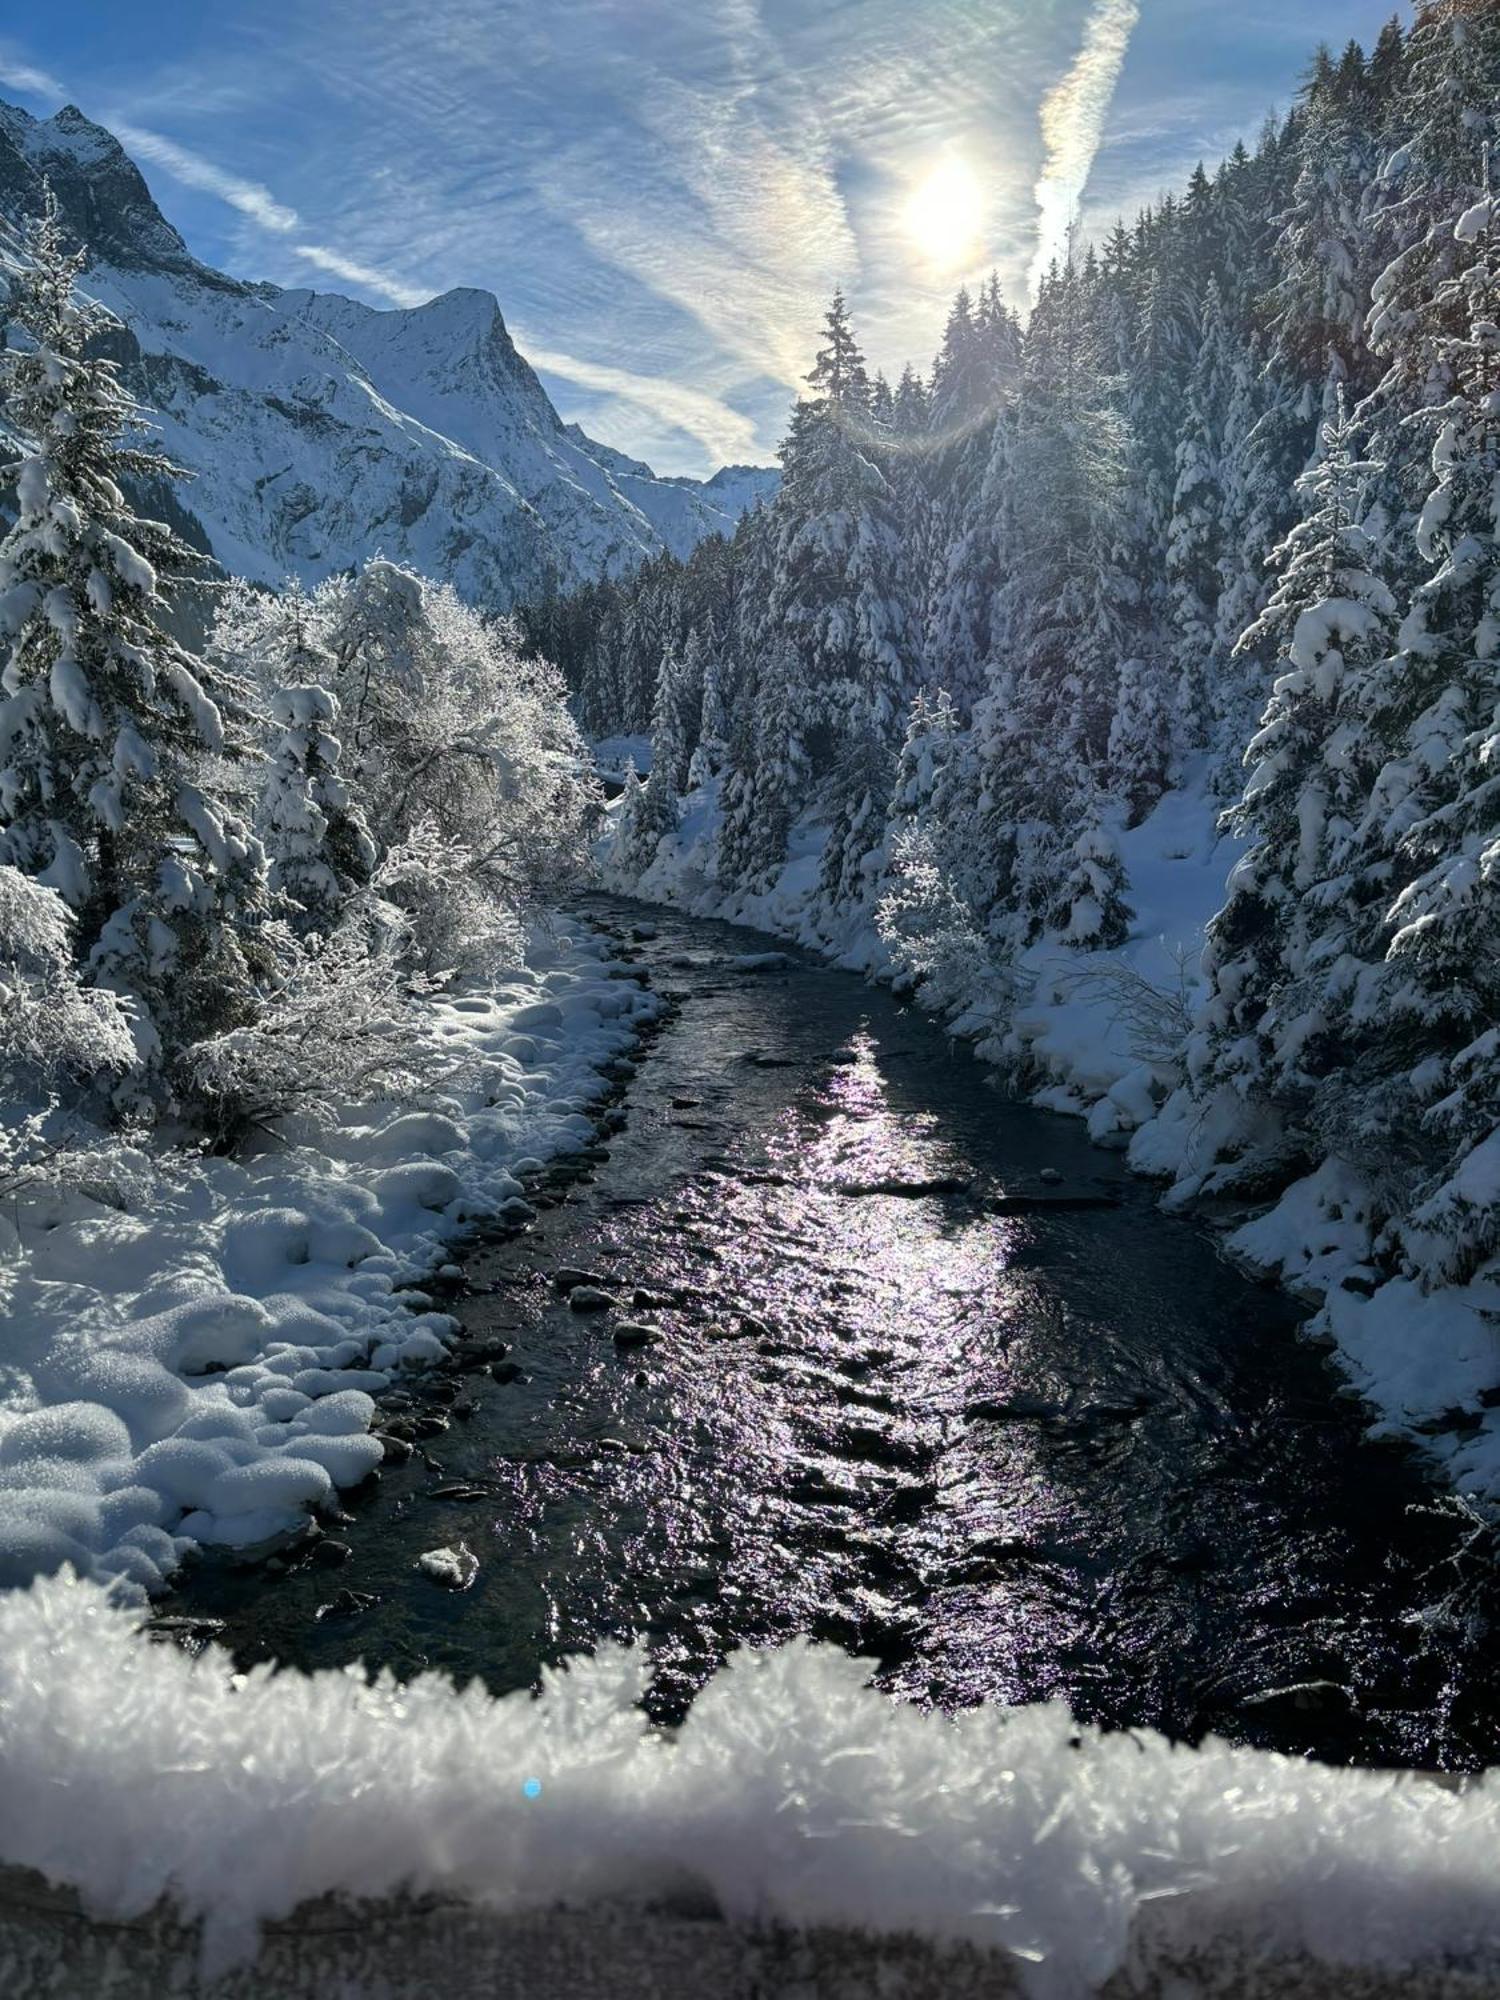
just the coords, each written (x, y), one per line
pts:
(662, 194)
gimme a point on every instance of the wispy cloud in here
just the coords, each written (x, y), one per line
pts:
(1072, 120)
(249, 197)
(724, 433)
(26, 77)
(351, 272)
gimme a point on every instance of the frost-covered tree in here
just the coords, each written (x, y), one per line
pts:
(108, 733)
(64, 1047)
(447, 723)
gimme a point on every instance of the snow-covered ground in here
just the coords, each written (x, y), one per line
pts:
(1097, 1032)
(793, 1791)
(197, 1365)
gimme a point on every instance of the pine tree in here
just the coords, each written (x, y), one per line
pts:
(1279, 951)
(107, 731)
(1138, 755)
(1195, 532)
(659, 809)
(768, 776)
(712, 747)
(835, 588)
(1427, 1025)
(1091, 911)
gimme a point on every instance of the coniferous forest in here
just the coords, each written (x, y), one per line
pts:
(1221, 515)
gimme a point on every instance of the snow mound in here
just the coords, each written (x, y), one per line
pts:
(793, 1791)
(202, 1371)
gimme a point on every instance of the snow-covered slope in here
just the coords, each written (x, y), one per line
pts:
(322, 430)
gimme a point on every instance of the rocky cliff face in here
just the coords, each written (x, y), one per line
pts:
(321, 431)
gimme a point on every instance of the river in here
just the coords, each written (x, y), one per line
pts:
(921, 1373)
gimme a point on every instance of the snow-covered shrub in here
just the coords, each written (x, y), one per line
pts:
(336, 1028)
(58, 1040)
(1155, 1018)
(1091, 906)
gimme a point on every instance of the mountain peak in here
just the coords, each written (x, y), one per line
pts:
(104, 200)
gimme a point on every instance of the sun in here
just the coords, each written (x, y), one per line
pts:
(944, 214)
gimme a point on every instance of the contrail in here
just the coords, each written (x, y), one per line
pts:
(249, 197)
(1072, 120)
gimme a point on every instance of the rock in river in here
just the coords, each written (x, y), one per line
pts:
(454, 1568)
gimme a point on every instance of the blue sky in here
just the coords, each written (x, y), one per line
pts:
(662, 193)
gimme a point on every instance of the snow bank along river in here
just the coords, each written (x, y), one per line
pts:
(828, 1339)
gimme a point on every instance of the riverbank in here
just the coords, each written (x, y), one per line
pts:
(194, 1361)
(1097, 1036)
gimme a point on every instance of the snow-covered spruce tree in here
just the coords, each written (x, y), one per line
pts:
(837, 562)
(1281, 951)
(314, 834)
(858, 791)
(1067, 611)
(953, 580)
(769, 775)
(625, 823)
(1261, 509)
(1091, 911)
(1323, 249)
(1165, 344)
(1195, 531)
(1138, 754)
(107, 730)
(658, 812)
(712, 747)
(319, 847)
(1427, 1026)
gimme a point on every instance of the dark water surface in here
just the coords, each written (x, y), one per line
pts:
(1007, 1456)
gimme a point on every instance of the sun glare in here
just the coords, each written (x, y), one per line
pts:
(944, 213)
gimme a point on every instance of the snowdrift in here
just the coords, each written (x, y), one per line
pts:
(199, 1365)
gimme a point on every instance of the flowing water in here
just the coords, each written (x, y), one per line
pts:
(931, 1378)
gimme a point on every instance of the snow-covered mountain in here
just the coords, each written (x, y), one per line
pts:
(321, 430)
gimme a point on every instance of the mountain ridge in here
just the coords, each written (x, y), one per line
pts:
(321, 430)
